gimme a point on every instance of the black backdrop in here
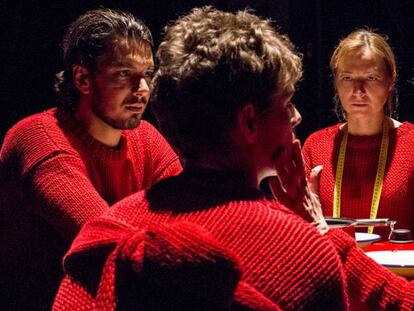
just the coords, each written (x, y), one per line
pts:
(32, 30)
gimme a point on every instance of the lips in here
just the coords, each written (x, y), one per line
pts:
(359, 104)
(135, 108)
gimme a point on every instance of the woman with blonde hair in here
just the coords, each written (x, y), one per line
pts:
(368, 165)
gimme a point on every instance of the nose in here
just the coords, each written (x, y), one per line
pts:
(140, 87)
(296, 118)
(358, 86)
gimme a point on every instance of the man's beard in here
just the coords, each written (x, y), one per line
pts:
(121, 124)
(129, 123)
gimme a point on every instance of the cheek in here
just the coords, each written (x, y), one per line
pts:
(116, 93)
(343, 91)
(380, 92)
(343, 88)
(343, 94)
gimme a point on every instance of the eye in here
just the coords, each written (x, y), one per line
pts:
(346, 78)
(148, 75)
(372, 78)
(123, 73)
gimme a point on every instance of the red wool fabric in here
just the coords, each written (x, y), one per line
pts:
(361, 161)
(177, 266)
(54, 177)
(370, 286)
(283, 258)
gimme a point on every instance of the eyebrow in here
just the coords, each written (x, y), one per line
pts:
(371, 71)
(129, 64)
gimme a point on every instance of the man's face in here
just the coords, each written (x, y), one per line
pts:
(277, 130)
(120, 85)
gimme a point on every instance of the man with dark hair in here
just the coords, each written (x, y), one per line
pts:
(63, 166)
(223, 99)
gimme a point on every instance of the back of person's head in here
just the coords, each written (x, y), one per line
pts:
(212, 63)
(356, 42)
(90, 37)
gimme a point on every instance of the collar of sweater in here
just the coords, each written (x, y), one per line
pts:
(83, 141)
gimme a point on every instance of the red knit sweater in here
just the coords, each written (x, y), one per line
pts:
(361, 160)
(54, 177)
(282, 257)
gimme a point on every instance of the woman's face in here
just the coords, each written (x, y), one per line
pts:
(363, 84)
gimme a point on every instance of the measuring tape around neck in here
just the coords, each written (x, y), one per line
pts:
(379, 178)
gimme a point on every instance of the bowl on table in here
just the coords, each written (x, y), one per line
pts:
(364, 239)
(397, 254)
(401, 262)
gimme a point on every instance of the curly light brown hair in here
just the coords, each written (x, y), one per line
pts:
(212, 63)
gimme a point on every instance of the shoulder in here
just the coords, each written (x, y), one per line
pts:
(321, 137)
(34, 138)
(148, 139)
(404, 138)
(328, 132)
(33, 126)
(144, 134)
(144, 129)
(286, 217)
(34, 130)
(406, 129)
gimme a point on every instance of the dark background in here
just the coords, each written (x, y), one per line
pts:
(32, 30)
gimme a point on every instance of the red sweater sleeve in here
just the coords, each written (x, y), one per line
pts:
(369, 284)
(66, 196)
(46, 175)
(66, 177)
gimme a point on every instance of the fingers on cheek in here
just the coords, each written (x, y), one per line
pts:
(279, 158)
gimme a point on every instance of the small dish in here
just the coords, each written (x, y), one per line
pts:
(364, 239)
(401, 262)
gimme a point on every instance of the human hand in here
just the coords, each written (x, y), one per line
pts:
(292, 190)
(290, 183)
(312, 203)
(314, 179)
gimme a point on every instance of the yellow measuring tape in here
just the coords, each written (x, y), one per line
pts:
(379, 178)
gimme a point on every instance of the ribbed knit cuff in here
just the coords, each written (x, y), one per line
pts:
(342, 241)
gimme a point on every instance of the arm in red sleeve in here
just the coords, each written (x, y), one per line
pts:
(370, 284)
(64, 194)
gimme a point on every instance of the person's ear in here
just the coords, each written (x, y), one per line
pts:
(247, 121)
(81, 78)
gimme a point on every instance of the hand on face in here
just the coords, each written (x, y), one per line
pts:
(290, 183)
(291, 188)
(312, 203)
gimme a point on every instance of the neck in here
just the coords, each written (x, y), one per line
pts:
(96, 127)
(366, 126)
(229, 162)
